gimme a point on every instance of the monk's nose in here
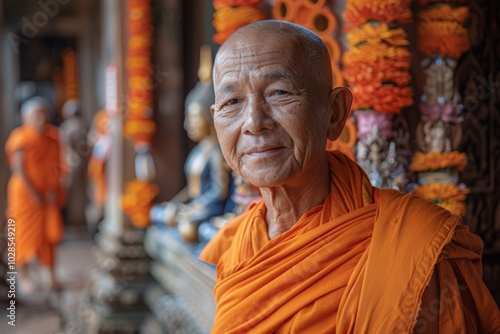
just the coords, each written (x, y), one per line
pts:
(257, 117)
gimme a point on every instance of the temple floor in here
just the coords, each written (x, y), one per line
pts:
(45, 312)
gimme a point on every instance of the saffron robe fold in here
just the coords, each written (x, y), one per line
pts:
(350, 265)
(38, 225)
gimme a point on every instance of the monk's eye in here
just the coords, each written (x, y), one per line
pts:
(232, 102)
(280, 92)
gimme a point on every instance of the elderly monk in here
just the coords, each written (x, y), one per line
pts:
(34, 189)
(324, 251)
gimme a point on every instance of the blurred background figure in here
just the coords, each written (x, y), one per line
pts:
(35, 194)
(98, 136)
(74, 152)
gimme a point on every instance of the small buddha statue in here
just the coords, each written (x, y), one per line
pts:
(433, 136)
(207, 186)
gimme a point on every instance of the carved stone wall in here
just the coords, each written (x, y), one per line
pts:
(478, 77)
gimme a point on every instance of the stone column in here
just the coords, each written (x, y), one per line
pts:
(115, 298)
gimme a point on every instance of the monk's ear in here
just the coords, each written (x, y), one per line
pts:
(340, 101)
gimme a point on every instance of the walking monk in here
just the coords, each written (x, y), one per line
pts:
(34, 189)
(324, 251)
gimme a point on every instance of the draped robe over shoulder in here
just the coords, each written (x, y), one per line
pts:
(358, 263)
(38, 226)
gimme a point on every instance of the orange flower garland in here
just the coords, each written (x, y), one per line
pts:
(377, 68)
(441, 35)
(358, 12)
(137, 201)
(435, 161)
(441, 30)
(70, 74)
(230, 15)
(448, 196)
(139, 126)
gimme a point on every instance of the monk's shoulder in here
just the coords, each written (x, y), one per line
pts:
(412, 217)
(19, 138)
(410, 205)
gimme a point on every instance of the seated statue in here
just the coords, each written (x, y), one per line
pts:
(207, 186)
(241, 195)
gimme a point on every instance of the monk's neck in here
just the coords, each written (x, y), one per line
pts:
(286, 204)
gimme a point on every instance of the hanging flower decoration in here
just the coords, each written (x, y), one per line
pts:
(438, 161)
(137, 201)
(442, 38)
(139, 125)
(441, 30)
(376, 67)
(230, 15)
(70, 74)
(448, 196)
(358, 12)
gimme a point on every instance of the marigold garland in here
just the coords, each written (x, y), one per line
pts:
(386, 98)
(448, 196)
(358, 12)
(442, 191)
(445, 12)
(436, 161)
(375, 34)
(230, 15)
(139, 126)
(447, 38)
(441, 30)
(377, 68)
(137, 201)
(456, 208)
(70, 74)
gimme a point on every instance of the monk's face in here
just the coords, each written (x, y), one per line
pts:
(270, 113)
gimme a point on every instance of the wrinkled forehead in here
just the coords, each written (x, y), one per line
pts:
(254, 54)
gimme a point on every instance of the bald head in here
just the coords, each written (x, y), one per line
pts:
(310, 50)
(35, 112)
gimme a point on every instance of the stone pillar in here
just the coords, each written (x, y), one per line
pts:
(112, 21)
(8, 108)
(115, 300)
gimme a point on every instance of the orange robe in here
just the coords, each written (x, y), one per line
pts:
(38, 226)
(359, 263)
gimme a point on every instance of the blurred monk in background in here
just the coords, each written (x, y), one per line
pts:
(324, 251)
(34, 192)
